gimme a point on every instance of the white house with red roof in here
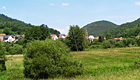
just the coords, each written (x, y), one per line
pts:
(62, 36)
(54, 37)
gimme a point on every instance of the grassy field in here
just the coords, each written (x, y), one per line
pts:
(100, 64)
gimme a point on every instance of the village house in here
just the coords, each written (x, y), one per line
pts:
(10, 39)
(54, 36)
(91, 38)
(62, 36)
(121, 38)
(2, 37)
(96, 37)
(67, 36)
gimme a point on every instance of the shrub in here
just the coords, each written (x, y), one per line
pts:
(128, 42)
(18, 48)
(95, 46)
(13, 48)
(119, 44)
(95, 42)
(108, 43)
(49, 59)
(2, 57)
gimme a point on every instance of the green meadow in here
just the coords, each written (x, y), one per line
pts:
(100, 64)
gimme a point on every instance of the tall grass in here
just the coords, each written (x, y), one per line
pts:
(100, 64)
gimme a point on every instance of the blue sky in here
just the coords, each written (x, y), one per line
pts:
(60, 14)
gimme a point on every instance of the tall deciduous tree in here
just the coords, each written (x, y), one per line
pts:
(108, 36)
(76, 39)
(37, 33)
(101, 38)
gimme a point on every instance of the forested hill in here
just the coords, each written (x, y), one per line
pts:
(126, 30)
(99, 27)
(13, 26)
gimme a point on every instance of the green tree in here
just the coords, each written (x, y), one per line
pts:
(37, 33)
(108, 36)
(76, 40)
(2, 57)
(101, 39)
(7, 31)
(49, 59)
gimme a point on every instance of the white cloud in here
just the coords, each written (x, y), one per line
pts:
(3, 7)
(51, 4)
(137, 17)
(137, 3)
(65, 4)
(63, 30)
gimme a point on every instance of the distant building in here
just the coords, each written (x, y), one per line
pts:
(91, 38)
(86, 34)
(54, 37)
(96, 37)
(62, 36)
(67, 36)
(121, 38)
(10, 39)
(2, 37)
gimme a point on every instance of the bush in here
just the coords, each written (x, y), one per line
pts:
(2, 57)
(119, 44)
(49, 59)
(128, 42)
(95, 46)
(13, 48)
(95, 42)
(108, 43)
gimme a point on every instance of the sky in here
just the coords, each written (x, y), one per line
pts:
(60, 14)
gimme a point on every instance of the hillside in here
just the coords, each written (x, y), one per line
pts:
(126, 30)
(13, 26)
(99, 27)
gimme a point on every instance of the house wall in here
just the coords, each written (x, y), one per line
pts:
(1, 38)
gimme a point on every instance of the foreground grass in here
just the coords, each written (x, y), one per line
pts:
(100, 64)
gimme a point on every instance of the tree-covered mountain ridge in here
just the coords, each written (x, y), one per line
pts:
(13, 26)
(128, 29)
(99, 27)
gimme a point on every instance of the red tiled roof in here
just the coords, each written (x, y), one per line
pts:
(60, 36)
(118, 38)
(67, 36)
(53, 36)
(96, 38)
(2, 34)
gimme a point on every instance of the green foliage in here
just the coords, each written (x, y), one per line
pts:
(128, 42)
(76, 40)
(2, 50)
(119, 44)
(126, 30)
(53, 31)
(13, 48)
(101, 39)
(108, 36)
(2, 57)
(95, 42)
(7, 31)
(138, 40)
(13, 26)
(49, 58)
(108, 44)
(99, 27)
(100, 64)
(37, 33)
